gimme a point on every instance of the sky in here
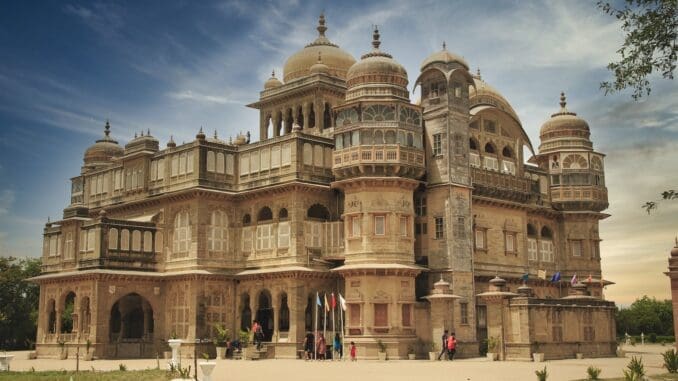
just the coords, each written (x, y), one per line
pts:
(173, 66)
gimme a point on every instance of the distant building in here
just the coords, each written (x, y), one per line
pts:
(351, 189)
(673, 275)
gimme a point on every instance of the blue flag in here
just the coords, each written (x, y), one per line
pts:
(555, 277)
(317, 300)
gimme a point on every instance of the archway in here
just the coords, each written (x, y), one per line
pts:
(131, 319)
(51, 316)
(67, 313)
(246, 313)
(265, 314)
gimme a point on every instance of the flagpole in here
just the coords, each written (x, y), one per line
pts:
(325, 321)
(315, 347)
(341, 325)
(334, 328)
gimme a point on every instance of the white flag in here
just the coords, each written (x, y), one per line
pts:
(342, 302)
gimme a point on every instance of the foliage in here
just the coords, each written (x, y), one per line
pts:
(381, 345)
(492, 344)
(184, 372)
(173, 336)
(88, 344)
(244, 337)
(646, 315)
(18, 302)
(205, 356)
(541, 374)
(141, 375)
(671, 361)
(593, 373)
(482, 347)
(636, 369)
(122, 367)
(651, 28)
(665, 195)
(223, 335)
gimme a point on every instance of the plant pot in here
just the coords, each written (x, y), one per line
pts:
(433, 356)
(382, 356)
(221, 353)
(207, 368)
(538, 357)
(491, 356)
(411, 356)
(579, 356)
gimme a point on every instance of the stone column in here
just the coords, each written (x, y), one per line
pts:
(286, 123)
(495, 299)
(263, 126)
(275, 304)
(442, 312)
(57, 329)
(276, 124)
(306, 111)
(320, 116)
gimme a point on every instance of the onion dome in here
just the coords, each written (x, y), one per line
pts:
(142, 142)
(104, 149)
(377, 69)
(445, 57)
(171, 143)
(319, 67)
(299, 64)
(272, 82)
(483, 94)
(564, 130)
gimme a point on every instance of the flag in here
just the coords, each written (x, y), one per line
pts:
(573, 281)
(541, 274)
(342, 302)
(327, 305)
(525, 277)
(589, 280)
(334, 301)
(556, 277)
(317, 300)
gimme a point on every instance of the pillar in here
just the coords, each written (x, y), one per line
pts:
(306, 111)
(263, 126)
(320, 116)
(276, 124)
(275, 304)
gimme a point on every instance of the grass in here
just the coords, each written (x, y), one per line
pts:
(656, 377)
(136, 375)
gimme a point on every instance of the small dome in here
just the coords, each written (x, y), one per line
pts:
(104, 149)
(483, 94)
(565, 125)
(272, 82)
(299, 64)
(445, 57)
(377, 68)
(240, 139)
(171, 143)
(319, 67)
(143, 141)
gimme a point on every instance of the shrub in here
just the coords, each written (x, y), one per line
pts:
(381, 345)
(184, 372)
(652, 337)
(492, 344)
(122, 367)
(541, 374)
(593, 373)
(671, 361)
(244, 337)
(635, 367)
(483, 347)
(223, 335)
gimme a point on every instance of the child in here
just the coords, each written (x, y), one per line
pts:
(353, 352)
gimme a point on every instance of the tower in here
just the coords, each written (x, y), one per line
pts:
(378, 161)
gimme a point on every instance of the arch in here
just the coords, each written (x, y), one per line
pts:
(390, 137)
(410, 139)
(246, 219)
(507, 152)
(264, 314)
(366, 137)
(112, 239)
(546, 233)
(378, 137)
(319, 212)
(245, 313)
(211, 161)
(131, 319)
(284, 314)
(311, 117)
(67, 313)
(265, 214)
(473, 143)
(489, 148)
(282, 214)
(51, 316)
(531, 231)
(136, 240)
(327, 116)
(124, 240)
(148, 241)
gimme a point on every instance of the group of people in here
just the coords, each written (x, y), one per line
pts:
(317, 348)
(449, 346)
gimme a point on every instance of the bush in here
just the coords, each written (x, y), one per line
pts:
(636, 369)
(122, 367)
(671, 361)
(593, 373)
(652, 337)
(541, 374)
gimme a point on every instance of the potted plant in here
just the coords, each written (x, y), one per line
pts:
(89, 355)
(432, 351)
(244, 337)
(492, 348)
(63, 352)
(221, 340)
(382, 350)
(207, 367)
(578, 355)
(410, 352)
(537, 356)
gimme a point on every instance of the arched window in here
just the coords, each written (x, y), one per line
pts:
(390, 137)
(220, 163)
(217, 231)
(182, 233)
(378, 137)
(282, 214)
(246, 219)
(51, 316)
(265, 214)
(112, 239)
(148, 241)
(67, 313)
(410, 139)
(136, 240)
(284, 317)
(124, 240)
(531, 231)
(546, 244)
(317, 211)
(473, 144)
(210, 161)
(489, 148)
(246, 314)
(546, 233)
(366, 137)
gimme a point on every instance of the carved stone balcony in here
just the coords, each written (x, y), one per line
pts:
(381, 160)
(579, 197)
(503, 186)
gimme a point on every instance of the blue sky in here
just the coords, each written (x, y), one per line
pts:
(173, 66)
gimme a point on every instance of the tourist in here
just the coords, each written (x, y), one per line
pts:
(444, 346)
(255, 326)
(321, 347)
(353, 352)
(451, 346)
(338, 347)
(259, 335)
(309, 341)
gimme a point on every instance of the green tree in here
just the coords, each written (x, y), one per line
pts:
(646, 315)
(651, 32)
(18, 302)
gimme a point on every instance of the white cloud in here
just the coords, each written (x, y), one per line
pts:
(196, 97)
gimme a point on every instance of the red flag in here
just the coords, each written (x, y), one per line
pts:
(334, 301)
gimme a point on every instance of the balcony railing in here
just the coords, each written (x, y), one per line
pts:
(378, 154)
(500, 185)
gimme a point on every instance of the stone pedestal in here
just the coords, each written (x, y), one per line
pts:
(207, 368)
(175, 344)
(4, 362)
(442, 311)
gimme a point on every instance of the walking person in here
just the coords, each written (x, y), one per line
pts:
(259, 334)
(255, 327)
(353, 352)
(444, 345)
(451, 346)
(338, 347)
(309, 342)
(321, 347)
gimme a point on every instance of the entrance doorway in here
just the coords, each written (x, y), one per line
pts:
(265, 314)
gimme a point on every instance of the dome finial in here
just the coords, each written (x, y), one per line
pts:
(444, 45)
(135, 135)
(107, 129)
(215, 134)
(563, 102)
(273, 73)
(148, 132)
(142, 133)
(321, 25)
(478, 73)
(375, 38)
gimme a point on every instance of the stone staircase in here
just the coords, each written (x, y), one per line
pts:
(252, 353)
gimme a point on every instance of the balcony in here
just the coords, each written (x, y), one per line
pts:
(401, 161)
(591, 197)
(504, 186)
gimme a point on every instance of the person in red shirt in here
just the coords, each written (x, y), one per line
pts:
(353, 352)
(451, 346)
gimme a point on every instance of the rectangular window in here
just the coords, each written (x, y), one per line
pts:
(283, 234)
(313, 231)
(380, 315)
(68, 246)
(463, 311)
(490, 126)
(474, 160)
(264, 237)
(532, 249)
(161, 169)
(275, 157)
(437, 145)
(189, 162)
(440, 228)
(182, 163)
(555, 179)
(90, 239)
(595, 249)
(154, 170)
(379, 225)
(254, 162)
(355, 226)
(175, 165)
(244, 164)
(229, 164)
(480, 239)
(407, 315)
(403, 227)
(247, 239)
(220, 163)
(491, 163)
(508, 167)
(457, 90)
(576, 248)
(433, 90)
(265, 159)
(420, 206)
(510, 241)
(286, 155)
(546, 250)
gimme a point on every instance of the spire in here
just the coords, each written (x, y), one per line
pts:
(148, 132)
(563, 101)
(135, 135)
(215, 134)
(107, 129)
(478, 73)
(273, 73)
(142, 133)
(444, 46)
(321, 25)
(375, 38)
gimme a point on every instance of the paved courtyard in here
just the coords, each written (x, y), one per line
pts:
(467, 369)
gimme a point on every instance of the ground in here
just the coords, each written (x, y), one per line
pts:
(476, 369)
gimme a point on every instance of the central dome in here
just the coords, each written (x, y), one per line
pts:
(337, 60)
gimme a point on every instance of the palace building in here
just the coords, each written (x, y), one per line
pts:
(425, 216)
